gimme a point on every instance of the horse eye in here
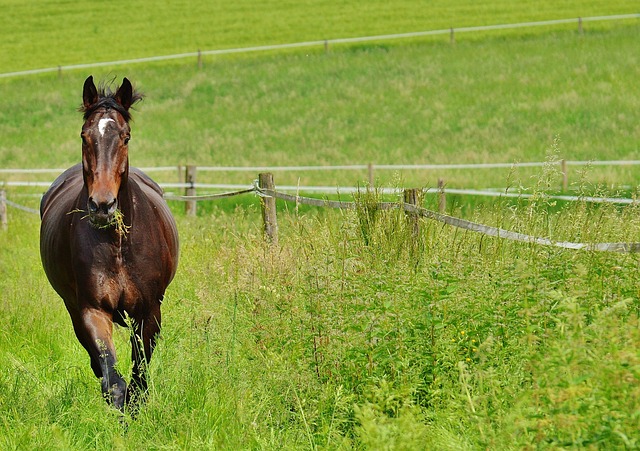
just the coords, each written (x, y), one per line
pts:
(126, 140)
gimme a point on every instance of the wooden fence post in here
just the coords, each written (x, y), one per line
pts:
(371, 174)
(442, 199)
(565, 176)
(580, 30)
(268, 204)
(412, 197)
(452, 36)
(190, 178)
(3, 209)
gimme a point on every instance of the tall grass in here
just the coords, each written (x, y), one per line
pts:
(345, 337)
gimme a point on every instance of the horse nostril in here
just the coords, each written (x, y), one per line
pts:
(111, 207)
(93, 207)
(102, 208)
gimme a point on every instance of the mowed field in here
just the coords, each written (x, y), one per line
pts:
(55, 33)
(352, 333)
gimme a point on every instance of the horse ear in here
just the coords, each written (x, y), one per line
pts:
(124, 96)
(89, 93)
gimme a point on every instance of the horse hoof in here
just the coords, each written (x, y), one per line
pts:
(116, 394)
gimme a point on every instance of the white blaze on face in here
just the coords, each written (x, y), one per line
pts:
(102, 124)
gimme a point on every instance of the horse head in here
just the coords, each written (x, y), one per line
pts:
(105, 152)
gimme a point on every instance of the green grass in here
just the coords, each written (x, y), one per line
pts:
(351, 334)
(495, 100)
(56, 33)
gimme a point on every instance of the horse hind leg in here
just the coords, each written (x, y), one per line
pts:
(94, 330)
(143, 341)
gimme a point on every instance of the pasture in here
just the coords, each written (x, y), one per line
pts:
(351, 333)
(55, 33)
(496, 100)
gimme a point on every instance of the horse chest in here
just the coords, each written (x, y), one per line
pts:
(113, 284)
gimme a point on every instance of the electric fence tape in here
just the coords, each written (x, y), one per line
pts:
(462, 224)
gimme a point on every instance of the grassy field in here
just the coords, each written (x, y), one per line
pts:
(348, 335)
(352, 333)
(497, 100)
(52, 33)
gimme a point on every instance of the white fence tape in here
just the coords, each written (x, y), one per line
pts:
(354, 189)
(350, 167)
(619, 247)
(22, 207)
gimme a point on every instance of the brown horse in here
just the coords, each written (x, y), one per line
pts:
(108, 242)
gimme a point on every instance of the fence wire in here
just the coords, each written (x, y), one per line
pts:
(620, 247)
(208, 196)
(22, 207)
(461, 224)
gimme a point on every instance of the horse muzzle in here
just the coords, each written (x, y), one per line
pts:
(101, 212)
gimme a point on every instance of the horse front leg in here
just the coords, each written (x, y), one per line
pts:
(143, 342)
(94, 330)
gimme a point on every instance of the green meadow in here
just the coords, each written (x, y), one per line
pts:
(354, 332)
(495, 100)
(351, 334)
(55, 33)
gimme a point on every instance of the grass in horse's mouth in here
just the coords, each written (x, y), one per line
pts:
(117, 221)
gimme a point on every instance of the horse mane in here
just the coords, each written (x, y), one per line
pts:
(107, 100)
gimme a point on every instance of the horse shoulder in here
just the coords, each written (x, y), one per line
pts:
(63, 191)
(156, 211)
